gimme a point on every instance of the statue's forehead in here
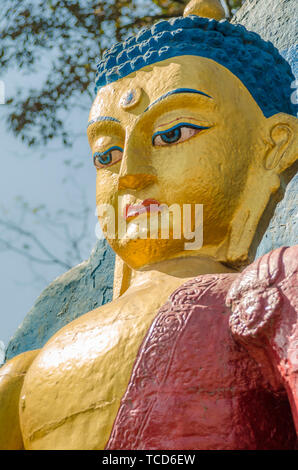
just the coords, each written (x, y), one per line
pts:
(141, 87)
(134, 93)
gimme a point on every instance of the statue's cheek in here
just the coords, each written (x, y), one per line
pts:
(106, 186)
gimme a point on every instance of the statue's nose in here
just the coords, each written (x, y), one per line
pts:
(136, 171)
(136, 180)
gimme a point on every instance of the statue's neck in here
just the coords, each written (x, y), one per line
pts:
(178, 268)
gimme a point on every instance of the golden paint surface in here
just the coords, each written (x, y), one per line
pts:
(12, 376)
(205, 8)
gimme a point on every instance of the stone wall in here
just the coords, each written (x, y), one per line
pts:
(274, 20)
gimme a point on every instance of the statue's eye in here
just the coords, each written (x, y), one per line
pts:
(107, 158)
(176, 134)
(171, 137)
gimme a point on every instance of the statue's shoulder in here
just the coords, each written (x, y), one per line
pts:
(264, 318)
(265, 293)
(12, 376)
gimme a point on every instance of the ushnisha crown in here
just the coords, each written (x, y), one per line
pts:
(257, 63)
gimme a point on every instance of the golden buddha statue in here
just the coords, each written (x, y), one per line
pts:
(184, 114)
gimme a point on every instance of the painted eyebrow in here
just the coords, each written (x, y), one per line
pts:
(175, 92)
(102, 118)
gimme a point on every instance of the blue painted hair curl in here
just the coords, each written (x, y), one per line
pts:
(257, 63)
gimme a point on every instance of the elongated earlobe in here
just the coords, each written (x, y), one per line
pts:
(283, 143)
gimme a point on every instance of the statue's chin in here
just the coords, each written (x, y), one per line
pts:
(137, 252)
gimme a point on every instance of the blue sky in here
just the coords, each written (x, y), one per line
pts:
(40, 176)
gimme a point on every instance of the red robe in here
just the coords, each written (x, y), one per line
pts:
(218, 367)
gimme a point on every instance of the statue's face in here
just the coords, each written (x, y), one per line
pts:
(183, 131)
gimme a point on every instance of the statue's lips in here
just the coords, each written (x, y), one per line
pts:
(148, 205)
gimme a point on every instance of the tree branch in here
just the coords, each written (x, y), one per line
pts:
(52, 259)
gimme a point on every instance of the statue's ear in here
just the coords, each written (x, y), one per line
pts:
(283, 142)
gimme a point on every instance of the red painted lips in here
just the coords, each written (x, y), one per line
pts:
(148, 205)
